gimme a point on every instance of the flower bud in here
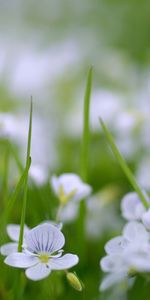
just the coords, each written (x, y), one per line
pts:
(74, 281)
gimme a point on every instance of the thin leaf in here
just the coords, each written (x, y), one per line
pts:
(124, 165)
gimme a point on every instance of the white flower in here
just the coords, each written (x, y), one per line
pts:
(70, 187)
(13, 232)
(42, 253)
(127, 254)
(146, 219)
(132, 207)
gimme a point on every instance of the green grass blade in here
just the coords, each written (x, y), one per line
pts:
(123, 164)
(86, 127)
(28, 158)
(13, 198)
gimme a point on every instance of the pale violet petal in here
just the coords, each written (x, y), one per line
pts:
(116, 245)
(8, 248)
(21, 260)
(13, 231)
(132, 207)
(83, 191)
(113, 263)
(64, 262)
(44, 238)
(71, 182)
(112, 279)
(135, 232)
(138, 257)
(38, 272)
(57, 225)
(146, 219)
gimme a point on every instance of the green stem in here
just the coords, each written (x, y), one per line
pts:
(25, 184)
(124, 165)
(84, 162)
(86, 127)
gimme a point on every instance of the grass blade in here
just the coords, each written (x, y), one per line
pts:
(123, 164)
(28, 158)
(86, 127)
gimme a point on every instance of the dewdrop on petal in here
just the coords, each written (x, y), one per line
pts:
(74, 281)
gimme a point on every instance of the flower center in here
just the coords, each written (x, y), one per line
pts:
(44, 258)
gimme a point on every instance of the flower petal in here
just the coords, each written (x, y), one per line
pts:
(13, 231)
(38, 272)
(113, 263)
(112, 279)
(135, 232)
(71, 182)
(21, 260)
(9, 248)
(44, 238)
(146, 219)
(116, 245)
(132, 208)
(65, 262)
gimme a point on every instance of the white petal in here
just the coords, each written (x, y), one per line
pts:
(135, 232)
(21, 260)
(113, 263)
(71, 182)
(57, 225)
(65, 262)
(116, 245)
(44, 238)
(139, 257)
(132, 208)
(111, 280)
(146, 219)
(9, 248)
(13, 231)
(38, 272)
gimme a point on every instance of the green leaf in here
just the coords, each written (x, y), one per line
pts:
(123, 164)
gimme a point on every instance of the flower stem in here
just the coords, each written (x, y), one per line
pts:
(28, 158)
(123, 164)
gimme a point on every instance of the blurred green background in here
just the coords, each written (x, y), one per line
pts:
(46, 49)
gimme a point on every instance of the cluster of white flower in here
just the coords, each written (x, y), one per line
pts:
(129, 253)
(42, 245)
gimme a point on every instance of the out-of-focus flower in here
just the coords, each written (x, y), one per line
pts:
(132, 207)
(43, 253)
(38, 174)
(126, 254)
(70, 187)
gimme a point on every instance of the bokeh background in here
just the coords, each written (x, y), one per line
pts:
(46, 49)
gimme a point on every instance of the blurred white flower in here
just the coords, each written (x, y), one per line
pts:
(43, 253)
(146, 218)
(69, 187)
(143, 173)
(126, 254)
(132, 207)
(38, 174)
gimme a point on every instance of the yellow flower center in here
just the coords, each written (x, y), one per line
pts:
(44, 258)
